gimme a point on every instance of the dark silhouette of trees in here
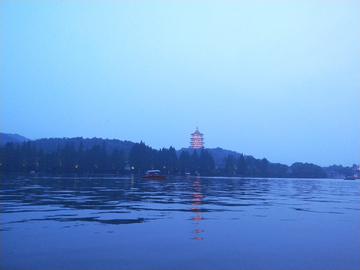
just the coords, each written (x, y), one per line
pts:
(21, 158)
(71, 157)
(241, 165)
(194, 167)
(202, 164)
(9, 158)
(142, 158)
(185, 162)
(206, 162)
(26, 157)
(230, 168)
(167, 160)
(307, 170)
(118, 161)
(252, 167)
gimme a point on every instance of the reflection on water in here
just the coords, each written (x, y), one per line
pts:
(196, 208)
(128, 222)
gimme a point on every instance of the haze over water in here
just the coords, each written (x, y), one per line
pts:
(111, 222)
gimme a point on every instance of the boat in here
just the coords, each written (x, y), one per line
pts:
(349, 177)
(187, 174)
(153, 174)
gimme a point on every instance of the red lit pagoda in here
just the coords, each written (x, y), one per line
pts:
(197, 140)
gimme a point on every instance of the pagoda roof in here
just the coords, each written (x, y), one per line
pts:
(197, 132)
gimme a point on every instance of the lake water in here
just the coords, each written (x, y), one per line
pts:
(182, 223)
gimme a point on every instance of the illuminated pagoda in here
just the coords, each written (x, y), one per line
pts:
(197, 140)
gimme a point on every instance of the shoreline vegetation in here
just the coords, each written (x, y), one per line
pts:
(104, 156)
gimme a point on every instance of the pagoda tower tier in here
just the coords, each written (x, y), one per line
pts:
(197, 140)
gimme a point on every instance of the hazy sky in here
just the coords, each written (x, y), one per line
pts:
(273, 79)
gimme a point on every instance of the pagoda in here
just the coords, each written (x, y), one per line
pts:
(197, 140)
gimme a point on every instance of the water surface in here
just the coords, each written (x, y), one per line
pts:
(112, 222)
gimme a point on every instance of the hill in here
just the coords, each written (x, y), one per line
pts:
(16, 138)
(226, 162)
(50, 145)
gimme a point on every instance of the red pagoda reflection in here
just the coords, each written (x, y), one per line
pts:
(196, 209)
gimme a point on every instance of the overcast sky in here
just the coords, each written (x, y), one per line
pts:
(273, 79)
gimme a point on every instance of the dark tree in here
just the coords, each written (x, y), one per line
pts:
(242, 165)
(307, 170)
(185, 162)
(194, 169)
(68, 158)
(206, 162)
(230, 165)
(142, 157)
(118, 161)
(171, 160)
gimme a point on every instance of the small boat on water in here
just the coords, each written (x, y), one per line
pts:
(349, 177)
(153, 174)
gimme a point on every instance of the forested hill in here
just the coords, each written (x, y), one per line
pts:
(52, 144)
(16, 138)
(97, 155)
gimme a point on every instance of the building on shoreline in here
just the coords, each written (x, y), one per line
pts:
(197, 140)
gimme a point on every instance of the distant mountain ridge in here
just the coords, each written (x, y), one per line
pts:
(51, 144)
(8, 137)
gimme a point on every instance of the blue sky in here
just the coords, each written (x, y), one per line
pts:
(274, 79)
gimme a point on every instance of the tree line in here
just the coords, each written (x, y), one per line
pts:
(28, 157)
(250, 166)
(143, 157)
